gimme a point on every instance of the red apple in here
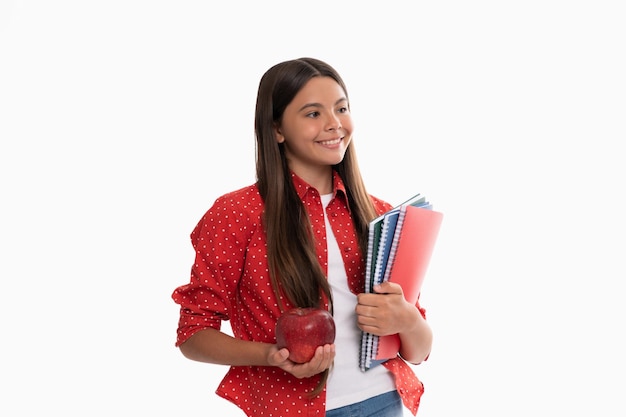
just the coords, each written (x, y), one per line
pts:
(302, 330)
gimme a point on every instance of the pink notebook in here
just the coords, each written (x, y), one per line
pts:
(408, 264)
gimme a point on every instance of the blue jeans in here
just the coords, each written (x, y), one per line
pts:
(388, 404)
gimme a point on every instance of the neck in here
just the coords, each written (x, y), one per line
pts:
(321, 180)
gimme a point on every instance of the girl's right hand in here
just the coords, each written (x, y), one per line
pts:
(323, 358)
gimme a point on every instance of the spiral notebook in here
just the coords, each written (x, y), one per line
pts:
(400, 245)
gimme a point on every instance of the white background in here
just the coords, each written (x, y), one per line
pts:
(122, 121)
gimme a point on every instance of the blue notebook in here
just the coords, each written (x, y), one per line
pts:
(382, 243)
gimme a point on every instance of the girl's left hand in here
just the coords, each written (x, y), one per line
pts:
(385, 311)
(322, 360)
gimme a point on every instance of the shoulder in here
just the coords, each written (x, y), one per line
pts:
(380, 205)
(237, 209)
(243, 199)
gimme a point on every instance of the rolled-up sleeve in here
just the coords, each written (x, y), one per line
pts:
(219, 244)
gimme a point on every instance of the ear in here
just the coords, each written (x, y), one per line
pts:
(279, 136)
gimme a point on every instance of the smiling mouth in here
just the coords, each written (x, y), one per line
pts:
(330, 142)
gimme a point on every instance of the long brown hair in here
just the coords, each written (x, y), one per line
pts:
(294, 268)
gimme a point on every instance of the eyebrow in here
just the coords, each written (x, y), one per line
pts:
(319, 105)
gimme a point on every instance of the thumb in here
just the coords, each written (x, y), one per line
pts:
(279, 357)
(284, 354)
(387, 287)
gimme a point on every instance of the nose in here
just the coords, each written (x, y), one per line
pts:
(334, 123)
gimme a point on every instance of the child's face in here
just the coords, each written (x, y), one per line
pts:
(316, 127)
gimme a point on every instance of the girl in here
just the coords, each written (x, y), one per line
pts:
(297, 237)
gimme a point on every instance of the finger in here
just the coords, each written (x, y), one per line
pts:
(321, 360)
(323, 357)
(368, 300)
(370, 328)
(388, 287)
(280, 357)
(364, 310)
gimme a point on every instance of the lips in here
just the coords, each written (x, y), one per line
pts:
(330, 142)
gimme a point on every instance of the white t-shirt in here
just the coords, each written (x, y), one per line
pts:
(347, 384)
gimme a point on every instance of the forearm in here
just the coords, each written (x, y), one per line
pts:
(416, 340)
(213, 346)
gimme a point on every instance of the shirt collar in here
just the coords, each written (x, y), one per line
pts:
(302, 187)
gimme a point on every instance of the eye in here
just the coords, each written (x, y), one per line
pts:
(343, 110)
(313, 114)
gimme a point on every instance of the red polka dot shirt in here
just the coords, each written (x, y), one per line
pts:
(230, 281)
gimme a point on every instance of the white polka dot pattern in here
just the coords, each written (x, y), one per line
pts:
(230, 281)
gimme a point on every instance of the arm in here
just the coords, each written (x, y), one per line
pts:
(387, 312)
(209, 297)
(213, 346)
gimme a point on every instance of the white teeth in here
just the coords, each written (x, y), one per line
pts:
(331, 142)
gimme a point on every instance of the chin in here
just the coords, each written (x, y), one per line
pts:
(338, 159)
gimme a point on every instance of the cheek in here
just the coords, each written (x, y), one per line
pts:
(305, 133)
(347, 124)
(347, 141)
(294, 132)
(348, 127)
